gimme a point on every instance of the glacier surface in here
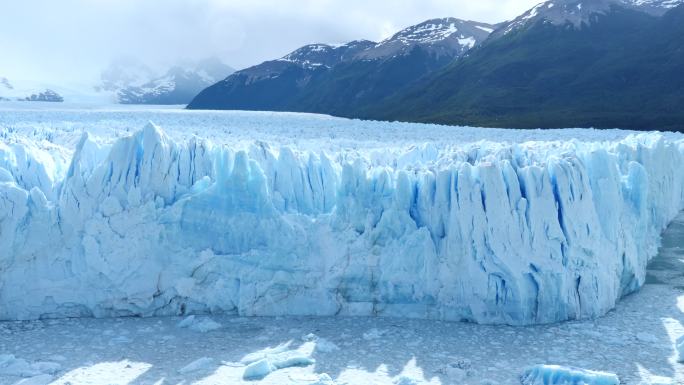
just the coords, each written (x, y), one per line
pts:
(483, 231)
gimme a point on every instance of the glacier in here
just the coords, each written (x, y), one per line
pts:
(483, 231)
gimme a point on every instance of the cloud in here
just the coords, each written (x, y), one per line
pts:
(75, 39)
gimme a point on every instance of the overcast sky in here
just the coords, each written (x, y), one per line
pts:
(71, 40)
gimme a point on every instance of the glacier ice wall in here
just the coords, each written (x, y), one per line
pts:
(486, 232)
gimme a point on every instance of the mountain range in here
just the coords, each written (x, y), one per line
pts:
(563, 63)
(10, 91)
(125, 81)
(343, 79)
(132, 82)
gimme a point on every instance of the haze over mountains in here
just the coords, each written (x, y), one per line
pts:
(566, 63)
(125, 81)
(132, 82)
(562, 63)
(11, 91)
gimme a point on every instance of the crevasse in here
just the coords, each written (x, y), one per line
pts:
(485, 232)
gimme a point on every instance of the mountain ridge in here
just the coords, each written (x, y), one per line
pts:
(551, 76)
(23, 92)
(132, 82)
(315, 72)
(563, 63)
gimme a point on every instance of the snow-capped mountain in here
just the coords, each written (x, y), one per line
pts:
(315, 55)
(309, 57)
(123, 73)
(563, 63)
(447, 36)
(579, 12)
(45, 96)
(28, 91)
(326, 78)
(134, 83)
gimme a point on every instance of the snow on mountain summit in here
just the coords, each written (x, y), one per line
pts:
(431, 31)
(664, 4)
(135, 83)
(446, 36)
(313, 55)
(332, 78)
(29, 91)
(440, 36)
(578, 12)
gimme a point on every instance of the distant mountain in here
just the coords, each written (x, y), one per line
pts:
(45, 96)
(439, 37)
(564, 63)
(124, 72)
(4, 83)
(340, 79)
(27, 92)
(5, 86)
(134, 83)
(579, 13)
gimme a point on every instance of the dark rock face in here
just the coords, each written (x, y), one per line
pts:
(620, 69)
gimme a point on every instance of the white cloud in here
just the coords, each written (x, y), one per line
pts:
(72, 39)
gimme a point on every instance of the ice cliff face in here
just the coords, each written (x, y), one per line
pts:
(486, 232)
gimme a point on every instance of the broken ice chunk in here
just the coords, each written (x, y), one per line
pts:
(563, 375)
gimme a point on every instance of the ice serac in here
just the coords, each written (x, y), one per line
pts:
(486, 232)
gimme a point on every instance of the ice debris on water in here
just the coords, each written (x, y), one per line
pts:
(199, 324)
(322, 345)
(458, 369)
(323, 379)
(563, 375)
(261, 363)
(41, 379)
(10, 365)
(679, 346)
(199, 364)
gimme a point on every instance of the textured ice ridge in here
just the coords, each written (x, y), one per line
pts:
(486, 232)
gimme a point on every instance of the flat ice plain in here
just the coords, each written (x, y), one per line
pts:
(267, 214)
